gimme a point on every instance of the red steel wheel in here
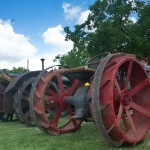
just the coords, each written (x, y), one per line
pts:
(120, 99)
(51, 113)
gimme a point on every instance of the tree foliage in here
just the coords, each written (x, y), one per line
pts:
(17, 70)
(73, 58)
(108, 28)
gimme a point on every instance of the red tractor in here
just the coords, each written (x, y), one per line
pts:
(115, 96)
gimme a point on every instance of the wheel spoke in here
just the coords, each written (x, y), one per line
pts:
(27, 115)
(128, 74)
(50, 92)
(58, 115)
(52, 89)
(118, 87)
(60, 83)
(119, 114)
(73, 87)
(131, 123)
(125, 121)
(140, 109)
(54, 98)
(139, 87)
(70, 112)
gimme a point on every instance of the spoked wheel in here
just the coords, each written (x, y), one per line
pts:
(51, 113)
(3, 85)
(4, 81)
(120, 99)
(22, 103)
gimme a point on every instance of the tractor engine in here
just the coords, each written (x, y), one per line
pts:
(81, 102)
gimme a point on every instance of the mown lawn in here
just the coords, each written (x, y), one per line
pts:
(16, 136)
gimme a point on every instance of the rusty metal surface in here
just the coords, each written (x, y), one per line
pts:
(3, 85)
(4, 81)
(21, 103)
(40, 106)
(77, 69)
(120, 100)
(21, 78)
(81, 73)
(96, 107)
(12, 88)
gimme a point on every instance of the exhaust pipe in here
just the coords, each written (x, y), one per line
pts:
(42, 59)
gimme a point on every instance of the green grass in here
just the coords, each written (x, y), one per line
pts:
(16, 136)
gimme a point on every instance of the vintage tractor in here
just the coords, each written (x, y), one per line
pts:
(113, 92)
(15, 95)
(115, 96)
(5, 79)
(10, 99)
(21, 98)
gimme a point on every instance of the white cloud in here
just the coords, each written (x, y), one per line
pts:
(83, 16)
(13, 47)
(71, 12)
(75, 13)
(34, 62)
(56, 38)
(134, 19)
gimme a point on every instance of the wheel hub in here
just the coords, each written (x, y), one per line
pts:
(126, 99)
(62, 100)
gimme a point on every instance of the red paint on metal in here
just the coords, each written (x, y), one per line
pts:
(127, 117)
(49, 98)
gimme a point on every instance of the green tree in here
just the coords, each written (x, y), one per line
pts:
(73, 58)
(140, 40)
(108, 28)
(18, 70)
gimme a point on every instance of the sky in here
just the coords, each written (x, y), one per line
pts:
(33, 29)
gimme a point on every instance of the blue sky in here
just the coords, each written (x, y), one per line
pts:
(32, 29)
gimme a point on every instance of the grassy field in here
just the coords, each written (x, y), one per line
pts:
(16, 136)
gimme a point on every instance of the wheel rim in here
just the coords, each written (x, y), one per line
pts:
(48, 103)
(4, 81)
(123, 100)
(22, 99)
(3, 85)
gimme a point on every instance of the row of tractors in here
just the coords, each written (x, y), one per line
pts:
(113, 91)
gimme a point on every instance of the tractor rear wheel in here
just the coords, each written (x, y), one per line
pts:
(120, 99)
